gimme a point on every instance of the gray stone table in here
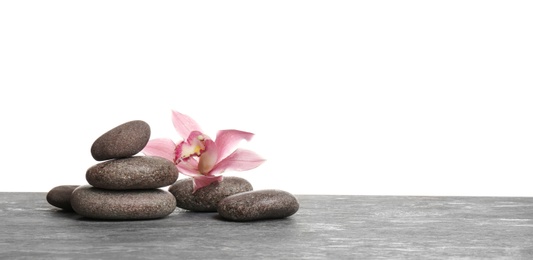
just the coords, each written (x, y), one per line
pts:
(325, 227)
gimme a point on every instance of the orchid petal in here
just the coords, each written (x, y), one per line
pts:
(203, 181)
(189, 167)
(227, 141)
(190, 174)
(208, 159)
(184, 124)
(196, 136)
(161, 147)
(240, 160)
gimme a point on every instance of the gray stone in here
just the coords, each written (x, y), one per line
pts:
(258, 205)
(98, 203)
(60, 196)
(207, 198)
(139, 172)
(122, 141)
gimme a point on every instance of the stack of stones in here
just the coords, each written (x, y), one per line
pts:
(123, 186)
(127, 187)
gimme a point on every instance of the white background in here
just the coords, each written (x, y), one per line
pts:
(345, 97)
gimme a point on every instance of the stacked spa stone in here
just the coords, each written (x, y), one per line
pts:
(124, 186)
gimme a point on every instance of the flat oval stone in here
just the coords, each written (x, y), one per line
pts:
(60, 196)
(98, 203)
(207, 198)
(122, 141)
(258, 205)
(139, 172)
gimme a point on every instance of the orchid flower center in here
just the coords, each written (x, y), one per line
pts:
(200, 147)
(192, 147)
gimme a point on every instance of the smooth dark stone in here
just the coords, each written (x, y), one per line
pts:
(257, 205)
(60, 196)
(207, 198)
(139, 172)
(122, 141)
(98, 203)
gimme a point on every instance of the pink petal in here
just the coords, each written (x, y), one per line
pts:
(189, 167)
(240, 160)
(208, 159)
(161, 147)
(227, 141)
(184, 124)
(196, 136)
(203, 181)
(190, 174)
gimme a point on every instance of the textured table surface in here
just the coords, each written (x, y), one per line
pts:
(325, 227)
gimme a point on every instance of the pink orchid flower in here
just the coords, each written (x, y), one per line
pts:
(201, 158)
